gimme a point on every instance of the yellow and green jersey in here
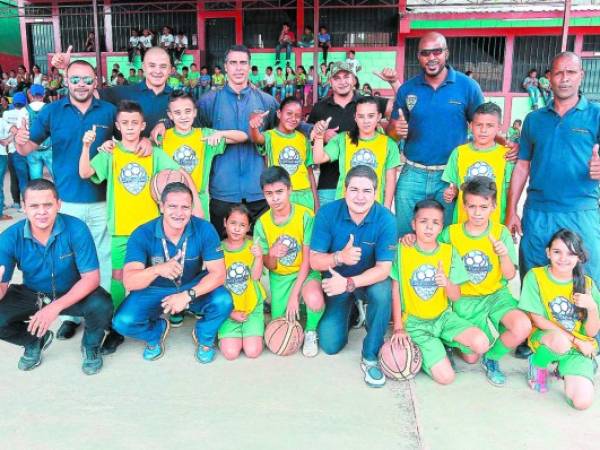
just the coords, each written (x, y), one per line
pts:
(292, 152)
(245, 291)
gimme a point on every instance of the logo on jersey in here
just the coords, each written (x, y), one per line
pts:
(411, 101)
(186, 157)
(133, 177)
(364, 157)
(480, 169)
(290, 160)
(423, 281)
(292, 249)
(237, 278)
(564, 313)
(478, 265)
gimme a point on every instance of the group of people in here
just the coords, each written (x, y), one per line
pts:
(248, 203)
(538, 87)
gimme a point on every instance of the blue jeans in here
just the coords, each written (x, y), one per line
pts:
(288, 51)
(323, 90)
(326, 196)
(413, 186)
(20, 165)
(290, 89)
(3, 166)
(280, 89)
(138, 315)
(533, 96)
(333, 327)
(36, 161)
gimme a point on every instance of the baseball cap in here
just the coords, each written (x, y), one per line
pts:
(19, 99)
(340, 66)
(37, 90)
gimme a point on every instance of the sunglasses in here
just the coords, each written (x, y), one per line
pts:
(76, 79)
(431, 51)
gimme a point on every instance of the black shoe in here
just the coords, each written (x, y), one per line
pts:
(67, 330)
(522, 351)
(450, 355)
(112, 341)
(266, 308)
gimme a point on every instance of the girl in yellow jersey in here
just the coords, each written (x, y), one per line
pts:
(364, 145)
(420, 294)
(244, 328)
(194, 148)
(563, 305)
(286, 147)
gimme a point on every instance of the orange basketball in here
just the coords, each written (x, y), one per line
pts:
(161, 179)
(399, 361)
(282, 337)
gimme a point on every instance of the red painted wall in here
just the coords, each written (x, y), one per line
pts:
(9, 62)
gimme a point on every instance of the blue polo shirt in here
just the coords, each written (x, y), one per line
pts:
(437, 119)
(235, 174)
(67, 125)
(560, 149)
(203, 244)
(154, 106)
(69, 252)
(376, 235)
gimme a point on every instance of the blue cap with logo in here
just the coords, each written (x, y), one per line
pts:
(19, 99)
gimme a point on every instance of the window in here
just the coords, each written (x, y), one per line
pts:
(591, 43)
(362, 27)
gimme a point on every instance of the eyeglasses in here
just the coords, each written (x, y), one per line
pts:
(431, 51)
(76, 79)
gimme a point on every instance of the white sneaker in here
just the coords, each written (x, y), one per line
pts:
(310, 349)
(374, 377)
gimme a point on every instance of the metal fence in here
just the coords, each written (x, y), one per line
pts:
(591, 43)
(361, 27)
(591, 81)
(76, 21)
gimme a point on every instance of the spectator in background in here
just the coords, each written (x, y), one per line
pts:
(121, 81)
(254, 77)
(12, 83)
(140, 73)
(185, 80)
(36, 76)
(545, 90)
(90, 42)
(179, 47)
(167, 41)
(300, 82)
(366, 90)
(218, 78)
(174, 80)
(353, 62)
(54, 84)
(16, 118)
(514, 133)
(308, 87)
(279, 84)
(134, 45)
(324, 39)
(285, 40)
(145, 42)
(6, 138)
(531, 85)
(113, 77)
(290, 82)
(205, 80)
(308, 38)
(41, 157)
(268, 82)
(4, 104)
(22, 78)
(323, 81)
(194, 79)
(133, 78)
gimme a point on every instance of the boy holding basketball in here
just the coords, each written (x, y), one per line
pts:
(128, 184)
(420, 293)
(284, 233)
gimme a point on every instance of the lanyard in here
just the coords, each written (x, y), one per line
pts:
(179, 279)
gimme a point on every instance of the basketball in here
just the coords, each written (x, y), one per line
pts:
(161, 179)
(282, 337)
(400, 362)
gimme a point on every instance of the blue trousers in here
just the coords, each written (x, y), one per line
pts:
(138, 315)
(3, 166)
(36, 162)
(288, 51)
(333, 327)
(19, 163)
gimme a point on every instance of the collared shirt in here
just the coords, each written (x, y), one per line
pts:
(437, 119)
(69, 252)
(67, 125)
(154, 106)
(376, 235)
(560, 149)
(235, 174)
(342, 117)
(201, 244)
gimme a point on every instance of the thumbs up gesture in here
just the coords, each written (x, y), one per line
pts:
(450, 193)
(440, 277)
(335, 285)
(257, 118)
(171, 268)
(401, 125)
(499, 247)
(320, 128)
(595, 163)
(388, 74)
(584, 300)
(22, 134)
(89, 137)
(350, 255)
(62, 60)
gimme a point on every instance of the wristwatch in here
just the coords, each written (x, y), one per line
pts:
(192, 294)
(350, 286)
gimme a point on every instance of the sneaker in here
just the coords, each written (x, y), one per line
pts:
(111, 342)
(362, 313)
(374, 377)
(522, 351)
(492, 370)
(32, 357)
(153, 352)
(205, 354)
(176, 320)
(310, 349)
(67, 330)
(537, 377)
(92, 361)
(450, 355)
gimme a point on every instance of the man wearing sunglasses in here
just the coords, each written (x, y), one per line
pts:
(438, 104)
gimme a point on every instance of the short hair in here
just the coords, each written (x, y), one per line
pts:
(428, 203)
(533, 69)
(128, 106)
(184, 68)
(254, 68)
(40, 184)
(240, 208)
(275, 174)
(361, 171)
(480, 186)
(81, 63)
(270, 67)
(237, 48)
(289, 100)
(154, 50)
(519, 121)
(489, 108)
(560, 55)
(179, 95)
(174, 188)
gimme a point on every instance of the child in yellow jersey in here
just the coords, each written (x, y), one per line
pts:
(482, 157)
(420, 294)
(244, 328)
(563, 305)
(364, 145)
(128, 184)
(489, 255)
(286, 147)
(284, 233)
(194, 148)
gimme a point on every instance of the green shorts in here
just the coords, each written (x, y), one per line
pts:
(254, 326)
(432, 334)
(571, 363)
(281, 287)
(118, 250)
(304, 198)
(486, 311)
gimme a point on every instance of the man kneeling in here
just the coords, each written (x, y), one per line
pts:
(163, 273)
(57, 256)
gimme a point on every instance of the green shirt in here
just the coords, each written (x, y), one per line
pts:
(255, 79)
(133, 79)
(218, 80)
